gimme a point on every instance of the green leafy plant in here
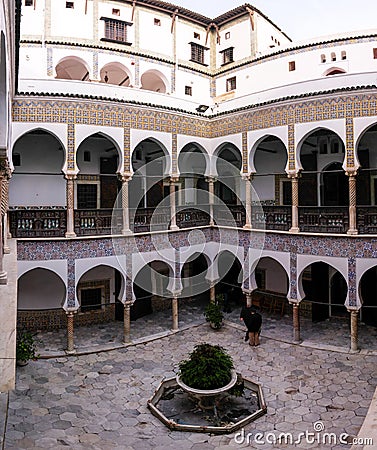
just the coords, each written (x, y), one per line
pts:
(214, 315)
(208, 367)
(25, 347)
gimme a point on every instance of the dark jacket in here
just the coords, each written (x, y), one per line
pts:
(252, 319)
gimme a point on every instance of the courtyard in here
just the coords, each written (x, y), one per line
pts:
(99, 400)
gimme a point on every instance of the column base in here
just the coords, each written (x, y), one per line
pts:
(297, 341)
(127, 342)
(126, 232)
(70, 352)
(174, 228)
(3, 278)
(70, 235)
(352, 232)
(294, 230)
(174, 330)
(247, 226)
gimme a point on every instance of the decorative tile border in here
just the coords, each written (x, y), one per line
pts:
(350, 158)
(245, 153)
(71, 146)
(174, 158)
(96, 113)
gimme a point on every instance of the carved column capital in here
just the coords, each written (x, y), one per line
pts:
(211, 179)
(125, 177)
(5, 170)
(174, 179)
(70, 176)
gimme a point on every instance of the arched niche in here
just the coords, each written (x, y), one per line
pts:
(154, 80)
(38, 158)
(72, 68)
(115, 73)
(40, 289)
(97, 186)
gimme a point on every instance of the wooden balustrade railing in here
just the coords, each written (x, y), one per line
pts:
(271, 217)
(38, 222)
(323, 219)
(52, 222)
(89, 222)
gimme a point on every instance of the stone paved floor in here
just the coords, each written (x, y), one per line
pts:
(98, 401)
(334, 333)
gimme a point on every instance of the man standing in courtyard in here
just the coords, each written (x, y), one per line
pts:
(253, 322)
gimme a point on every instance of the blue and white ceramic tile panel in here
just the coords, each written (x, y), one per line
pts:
(71, 296)
(317, 246)
(352, 283)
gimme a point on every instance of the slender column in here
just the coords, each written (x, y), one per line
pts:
(173, 207)
(211, 192)
(212, 292)
(354, 331)
(70, 195)
(127, 322)
(249, 300)
(175, 314)
(296, 322)
(6, 208)
(294, 228)
(126, 178)
(3, 168)
(70, 334)
(352, 203)
(248, 201)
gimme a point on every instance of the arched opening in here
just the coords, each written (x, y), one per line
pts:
(320, 150)
(323, 186)
(367, 173)
(230, 281)
(270, 159)
(195, 290)
(272, 287)
(3, 93)
(41, 294)
(37, 183)
(228, 167)
(72, 68)
(334, 186)
(149, 185)
(368, 296)
(115, 73)
(335, 71)
(98, 291)
(97, 182)
(271, 185)
(155, 81)
(192, 164)
(326, 290)
(150, 289)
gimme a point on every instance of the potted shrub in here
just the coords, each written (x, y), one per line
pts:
(214, 315)
(207, 375)
(208, 367)
(25, 348)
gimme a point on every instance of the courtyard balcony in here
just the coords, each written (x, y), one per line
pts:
(45, 222)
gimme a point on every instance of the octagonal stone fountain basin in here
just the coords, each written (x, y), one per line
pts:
(179, 411)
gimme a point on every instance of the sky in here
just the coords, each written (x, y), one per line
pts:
(300, 19)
